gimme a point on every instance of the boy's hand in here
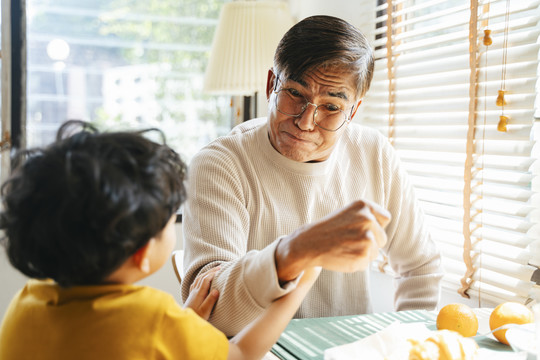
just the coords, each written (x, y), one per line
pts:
(200, 299)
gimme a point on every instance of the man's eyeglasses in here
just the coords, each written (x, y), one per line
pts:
(328, 117)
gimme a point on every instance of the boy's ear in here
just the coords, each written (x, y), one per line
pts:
(142, 257)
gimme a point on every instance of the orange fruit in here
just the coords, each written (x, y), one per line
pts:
(509, 313)
(459, 318)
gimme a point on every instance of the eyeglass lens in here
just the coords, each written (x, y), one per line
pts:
(326, 116)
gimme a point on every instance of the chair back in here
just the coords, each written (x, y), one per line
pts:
(177, 263)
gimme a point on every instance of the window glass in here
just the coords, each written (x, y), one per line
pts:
(123, 64)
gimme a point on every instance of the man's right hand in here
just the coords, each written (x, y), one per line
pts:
(346, 240)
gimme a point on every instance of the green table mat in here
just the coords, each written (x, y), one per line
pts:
(306, 339)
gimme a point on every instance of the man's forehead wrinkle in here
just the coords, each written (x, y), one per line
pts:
(298, 80)
(333, 93)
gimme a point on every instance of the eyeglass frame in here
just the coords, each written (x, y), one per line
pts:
(308, 103)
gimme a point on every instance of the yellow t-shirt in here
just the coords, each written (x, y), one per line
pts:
(45, 321)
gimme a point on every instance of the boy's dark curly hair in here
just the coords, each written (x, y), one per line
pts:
(76, 210)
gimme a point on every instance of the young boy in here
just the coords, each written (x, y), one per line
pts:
(86, 218)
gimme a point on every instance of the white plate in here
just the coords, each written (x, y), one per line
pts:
(522, 338)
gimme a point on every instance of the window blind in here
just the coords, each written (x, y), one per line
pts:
(434, 95)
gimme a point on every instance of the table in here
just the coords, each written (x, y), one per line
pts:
(306, 339)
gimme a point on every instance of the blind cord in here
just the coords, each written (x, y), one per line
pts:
(466, 280)
(501, 100)
(487, 41)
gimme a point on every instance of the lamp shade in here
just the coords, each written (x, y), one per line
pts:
(244, 44)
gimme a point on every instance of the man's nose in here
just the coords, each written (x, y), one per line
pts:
(306, 120)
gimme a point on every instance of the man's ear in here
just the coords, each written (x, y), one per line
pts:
(357, 106)
(142, 257)
(270, 83)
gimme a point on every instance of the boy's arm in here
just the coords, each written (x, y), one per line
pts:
(255, 340)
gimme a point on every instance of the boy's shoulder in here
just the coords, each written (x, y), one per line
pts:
(111, 297)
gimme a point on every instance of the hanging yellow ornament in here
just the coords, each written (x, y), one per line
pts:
(501, 101)
(503, 121)
(487, 37)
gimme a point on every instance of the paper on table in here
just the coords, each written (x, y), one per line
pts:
(391, 344)
(385, 344)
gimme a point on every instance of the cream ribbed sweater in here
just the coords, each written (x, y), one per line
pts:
(243, 196)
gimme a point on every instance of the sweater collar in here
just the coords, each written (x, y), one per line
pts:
(301, 168)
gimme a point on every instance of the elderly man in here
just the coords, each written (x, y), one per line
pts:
(307, 187)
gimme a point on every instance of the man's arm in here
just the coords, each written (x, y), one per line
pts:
(216, 227)
(416, 260)
(412, 254)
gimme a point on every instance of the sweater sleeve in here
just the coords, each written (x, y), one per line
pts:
(412, 253)
(216, 232)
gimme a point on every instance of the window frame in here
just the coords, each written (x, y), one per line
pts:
(13, 81)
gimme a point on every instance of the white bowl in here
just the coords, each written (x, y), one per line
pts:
(522, 339)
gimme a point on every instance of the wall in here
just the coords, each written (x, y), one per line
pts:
(352, 11)
(11, 281)
(382, 289)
